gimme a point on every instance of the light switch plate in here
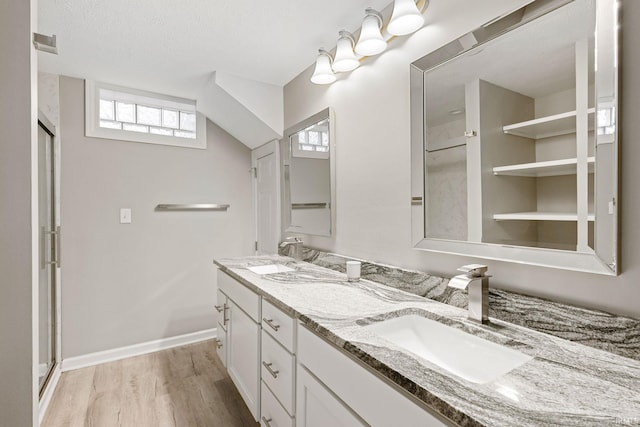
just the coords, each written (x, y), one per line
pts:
(125, 215)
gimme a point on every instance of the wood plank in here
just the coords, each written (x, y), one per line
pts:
(183, 386)
(70, 399)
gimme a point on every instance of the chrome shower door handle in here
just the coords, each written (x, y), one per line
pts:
(58, 238)
(55, 236)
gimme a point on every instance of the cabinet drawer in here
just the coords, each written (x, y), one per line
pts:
(244, 298)
(279, 325)
(278, 368)
(273, 414)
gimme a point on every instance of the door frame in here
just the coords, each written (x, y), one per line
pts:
(257, 153)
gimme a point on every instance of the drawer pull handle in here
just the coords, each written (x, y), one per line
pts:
(267, 422)
(218, 308)
(225, 319)
(218, 343)
(273, 373)
(269, 322)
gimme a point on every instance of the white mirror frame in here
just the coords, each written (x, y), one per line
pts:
(285, 150)
(607, 23)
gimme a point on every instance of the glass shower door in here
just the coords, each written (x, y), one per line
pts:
(49, 254)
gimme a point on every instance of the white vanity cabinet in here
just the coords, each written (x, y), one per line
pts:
(288, 376)
(332, 389)
(242, 339)
(278, 367)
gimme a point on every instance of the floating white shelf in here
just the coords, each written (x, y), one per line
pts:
(192, 207)
(541, 169)
(545, 127)
(539, 216)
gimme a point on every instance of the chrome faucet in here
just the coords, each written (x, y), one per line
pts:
(476, 281)
(297, 243)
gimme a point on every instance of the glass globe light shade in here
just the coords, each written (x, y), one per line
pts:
(345, 59)
(323, 74)
(371, 41)
(405, 19)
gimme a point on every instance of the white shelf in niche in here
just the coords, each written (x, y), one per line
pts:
(542, 169)
(546, 127)
(540, 216)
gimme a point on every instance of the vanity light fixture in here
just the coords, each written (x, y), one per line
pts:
(371, 41)
(405, 19)
(323, 74)
(346, 59)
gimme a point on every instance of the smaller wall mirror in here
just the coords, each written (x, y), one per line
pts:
(309, 185)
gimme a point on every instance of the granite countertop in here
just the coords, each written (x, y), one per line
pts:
(566, 383)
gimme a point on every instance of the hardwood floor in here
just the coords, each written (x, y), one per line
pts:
(180, 387)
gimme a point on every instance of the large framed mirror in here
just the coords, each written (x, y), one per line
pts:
(308, 160)
(515, 139)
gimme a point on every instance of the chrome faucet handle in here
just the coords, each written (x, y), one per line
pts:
(297, 243)
(475, 270)
(292, 240)
(476, 282)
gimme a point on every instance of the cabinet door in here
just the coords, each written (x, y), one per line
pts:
(243, 357)
(318, 407)
(221, 338)
(221, 345)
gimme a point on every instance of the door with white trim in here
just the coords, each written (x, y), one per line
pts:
(265, 163)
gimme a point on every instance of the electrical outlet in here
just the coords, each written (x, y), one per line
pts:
(125, 215)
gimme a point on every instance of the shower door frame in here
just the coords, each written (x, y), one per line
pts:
(54, 164)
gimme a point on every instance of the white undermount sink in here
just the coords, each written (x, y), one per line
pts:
(472, 358)
(271, 268)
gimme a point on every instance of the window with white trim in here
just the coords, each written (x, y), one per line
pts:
(312, 141)
(133, 115)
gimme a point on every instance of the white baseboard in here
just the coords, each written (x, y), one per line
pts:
(48, 392)
(97, 358)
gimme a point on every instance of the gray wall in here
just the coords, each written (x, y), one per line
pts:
(373, 165)
(125, 284)
(17, 112)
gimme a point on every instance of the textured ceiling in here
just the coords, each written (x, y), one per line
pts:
(174, 46)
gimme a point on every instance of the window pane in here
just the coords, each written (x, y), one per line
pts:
(313, 138)
(170, 119)
(306, 147)
(125, 112)
(187, 121)
(110, 125)
(135, 128)
(149, 115)
(161, 131)
(182, 134)
(325, 138)
(106, 110)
